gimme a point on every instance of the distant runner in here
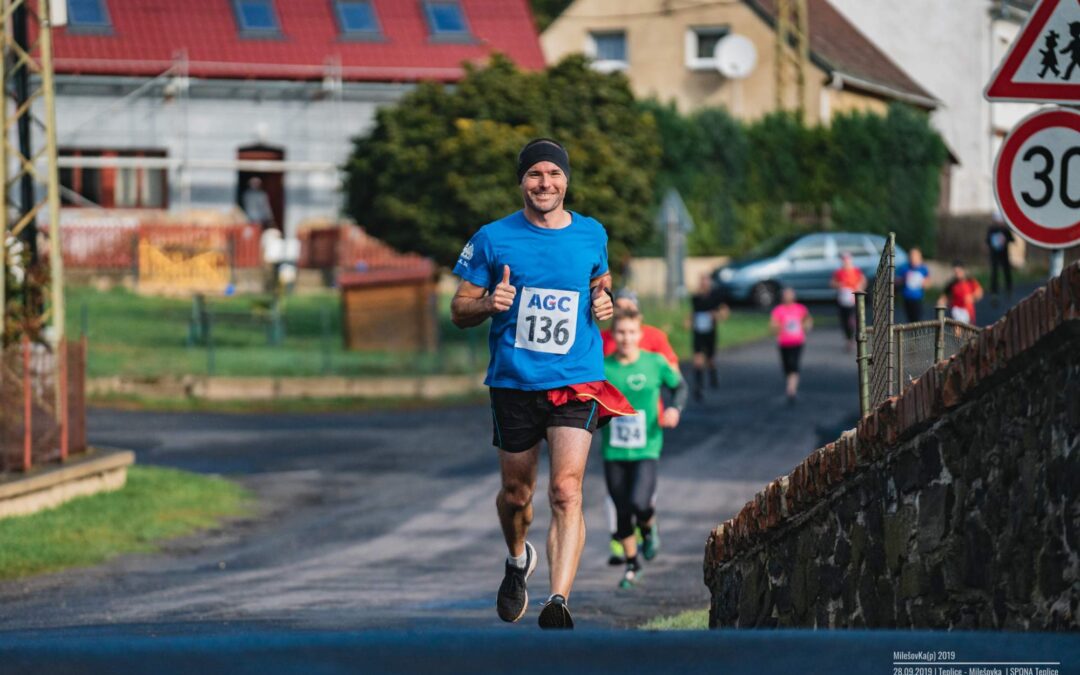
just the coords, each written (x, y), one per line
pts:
(541, 275)
(913, 278)
(632, 444)
(848, 280)
(790, 321)
(998, 239)
(706, 310)
(961, 293)
(652, 340)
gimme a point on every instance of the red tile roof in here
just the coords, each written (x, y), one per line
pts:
(838, 46)
(147, 35)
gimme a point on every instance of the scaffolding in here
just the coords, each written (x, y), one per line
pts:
(28, 158)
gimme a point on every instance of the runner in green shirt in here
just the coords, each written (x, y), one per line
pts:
(632, 444)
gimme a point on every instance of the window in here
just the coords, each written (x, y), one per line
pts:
(256, 17)
(357, 17)
(446, 19)
(809, 248)
(87, 14)
(134, 184)
(700, 45)
(608, 50)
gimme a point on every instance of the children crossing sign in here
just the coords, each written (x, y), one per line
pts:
(1037, 178)
(1043, 63)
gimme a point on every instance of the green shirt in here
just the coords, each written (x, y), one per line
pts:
(638, 437)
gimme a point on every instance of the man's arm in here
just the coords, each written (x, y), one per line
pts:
(472, 304)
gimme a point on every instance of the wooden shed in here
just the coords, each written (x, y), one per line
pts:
(388, 300)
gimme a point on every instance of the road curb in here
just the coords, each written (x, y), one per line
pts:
(287, 388)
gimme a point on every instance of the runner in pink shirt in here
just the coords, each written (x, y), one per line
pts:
(790, 321)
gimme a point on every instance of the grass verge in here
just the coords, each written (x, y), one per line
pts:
(155, 505)
(284, 406)
(694, 619)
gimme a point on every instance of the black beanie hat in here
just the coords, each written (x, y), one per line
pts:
(542, 150)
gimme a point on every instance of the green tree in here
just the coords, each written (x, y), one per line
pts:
(442, 163)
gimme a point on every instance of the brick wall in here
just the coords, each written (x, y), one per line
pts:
(951, 506)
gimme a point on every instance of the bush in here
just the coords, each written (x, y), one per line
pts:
(874, 173)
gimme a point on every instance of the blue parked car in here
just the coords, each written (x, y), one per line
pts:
(804, 262)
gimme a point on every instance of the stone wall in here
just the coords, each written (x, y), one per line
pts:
(951, 506)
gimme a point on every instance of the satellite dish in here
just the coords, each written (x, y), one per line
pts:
(735, 56)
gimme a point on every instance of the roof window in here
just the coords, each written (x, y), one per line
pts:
(446, 19)
(357, 17)
(87, 14)
(256, 17)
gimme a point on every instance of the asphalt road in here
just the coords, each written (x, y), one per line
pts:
(387, 519)
(376, 549)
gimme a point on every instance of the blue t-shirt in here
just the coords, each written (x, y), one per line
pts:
(548, 338)
(911, 279)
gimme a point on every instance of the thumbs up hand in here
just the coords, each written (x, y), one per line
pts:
(503, 296)
(602, 306)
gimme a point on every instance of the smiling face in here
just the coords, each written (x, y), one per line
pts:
(544, 187)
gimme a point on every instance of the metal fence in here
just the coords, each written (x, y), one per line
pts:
(920, 345)
(42, 404)
(898, 353)
(882, 378)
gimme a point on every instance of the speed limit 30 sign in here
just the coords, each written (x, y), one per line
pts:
(1037, 178)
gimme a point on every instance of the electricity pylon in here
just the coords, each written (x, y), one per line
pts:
(28, 150)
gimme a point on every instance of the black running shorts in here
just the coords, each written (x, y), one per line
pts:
(789, 358)
(521, 418)
(705, 343)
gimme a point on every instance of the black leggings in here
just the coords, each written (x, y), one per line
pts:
(632, 486)
(847, 321)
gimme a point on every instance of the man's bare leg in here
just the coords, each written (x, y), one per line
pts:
(566, 538)
(514, 501)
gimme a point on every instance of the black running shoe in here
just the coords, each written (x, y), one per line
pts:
(513, 597)
(556, 614)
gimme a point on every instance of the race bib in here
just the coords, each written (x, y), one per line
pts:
(703, 322)
(997, 241)
(792, 327)
(547, 320)
(914, 281)
(960, 314)
(628, 432)
(846, 297)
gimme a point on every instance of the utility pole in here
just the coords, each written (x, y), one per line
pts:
(792, 58)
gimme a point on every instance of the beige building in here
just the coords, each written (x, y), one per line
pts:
(665, 48)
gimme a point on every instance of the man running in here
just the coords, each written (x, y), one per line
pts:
(848, 280)
(913, 278)
(541, 276)
(706, 311)
(962, 292)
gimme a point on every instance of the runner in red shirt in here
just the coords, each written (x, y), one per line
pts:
(962, 292)
(652, 338)
(790, 321)
(848, 280)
